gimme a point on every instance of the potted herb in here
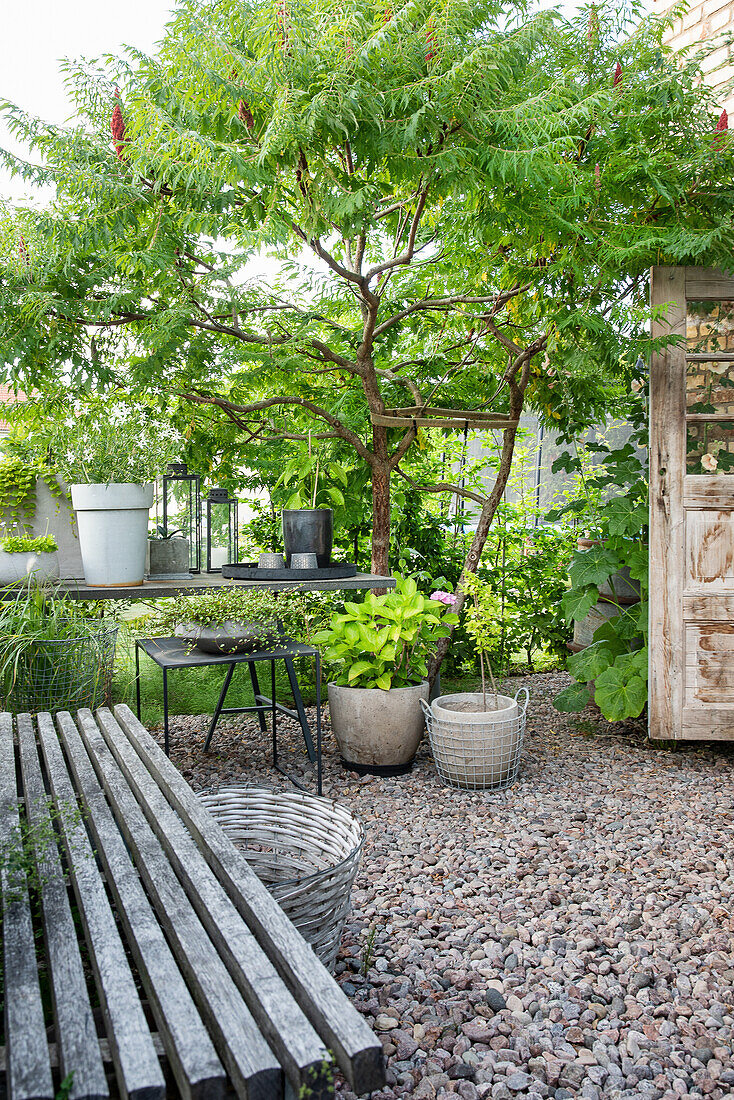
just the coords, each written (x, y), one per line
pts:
(225, 620)
(380, 648)
(110, 454)
(308, 526)
(168, 555)
(28, 559)
(476, 735)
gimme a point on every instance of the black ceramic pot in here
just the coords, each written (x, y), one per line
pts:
(308, 531)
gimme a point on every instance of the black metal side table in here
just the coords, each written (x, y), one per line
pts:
(174, 653)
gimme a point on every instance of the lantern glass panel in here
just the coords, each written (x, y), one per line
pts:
(182, 509)
(221, 513)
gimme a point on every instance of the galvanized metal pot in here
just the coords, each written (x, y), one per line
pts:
(308, 531)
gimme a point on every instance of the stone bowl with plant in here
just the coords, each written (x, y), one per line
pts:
(379, 650)
(28, 559)
(224, 620)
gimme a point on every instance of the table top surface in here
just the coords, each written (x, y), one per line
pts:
(201, 582)
(178, 653)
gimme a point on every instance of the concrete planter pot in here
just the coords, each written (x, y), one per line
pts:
(378, 732)
(28, 566)
(308, 531)
(113, 532)
(169, 558)
(229, 637)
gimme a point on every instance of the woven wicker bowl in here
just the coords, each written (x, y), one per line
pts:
(306, 850)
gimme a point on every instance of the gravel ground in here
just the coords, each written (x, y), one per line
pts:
(571, 936)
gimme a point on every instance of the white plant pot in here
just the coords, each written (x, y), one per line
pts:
(29, 565)
(113, 532)
(378, 732)
(472, 747)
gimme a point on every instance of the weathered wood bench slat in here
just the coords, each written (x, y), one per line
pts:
(253, 1068)
(301, 1052)
(196, 1068)
(28, 1064)
(355, 1046)
(75, 1028)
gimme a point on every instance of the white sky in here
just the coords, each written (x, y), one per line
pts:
(36, 34)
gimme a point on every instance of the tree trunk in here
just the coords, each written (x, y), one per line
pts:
(381, 519)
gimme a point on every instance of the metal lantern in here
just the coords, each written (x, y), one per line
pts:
(182, 509)
(222, 544)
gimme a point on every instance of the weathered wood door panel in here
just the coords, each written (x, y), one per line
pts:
(692, 507)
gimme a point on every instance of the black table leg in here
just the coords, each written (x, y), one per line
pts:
(274, 714)
(256, 693)
(165, 712)
(318, 724)
(218, 708)
(300, 709)
(137, 679)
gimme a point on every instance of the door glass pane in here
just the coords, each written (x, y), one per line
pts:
(710, 387)
(710, 448)
(710, 327)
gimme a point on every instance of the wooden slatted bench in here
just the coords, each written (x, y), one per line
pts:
(140, 951)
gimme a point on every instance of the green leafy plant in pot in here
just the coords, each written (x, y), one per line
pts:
(28, 559)
(476, 735)
(380, 650)
(308, 526)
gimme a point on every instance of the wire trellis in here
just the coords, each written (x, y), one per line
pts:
(477, 750)
(64, 673)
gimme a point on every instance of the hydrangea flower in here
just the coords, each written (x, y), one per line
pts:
(444, 597)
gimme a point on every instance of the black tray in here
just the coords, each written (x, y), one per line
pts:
(248, 571)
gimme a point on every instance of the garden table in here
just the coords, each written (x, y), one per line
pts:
(173, 653)
(139, 902)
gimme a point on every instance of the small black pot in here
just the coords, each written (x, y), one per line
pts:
(308, 531)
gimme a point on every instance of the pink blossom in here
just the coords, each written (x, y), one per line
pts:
(709, 462)
(444, 597)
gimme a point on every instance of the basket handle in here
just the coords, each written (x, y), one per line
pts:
(426, 708)
(524, 705)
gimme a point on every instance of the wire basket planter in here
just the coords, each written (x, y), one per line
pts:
(305, 850)
(476, 749)
(54, 674)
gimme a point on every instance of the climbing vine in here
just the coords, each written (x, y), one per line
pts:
(18, 491)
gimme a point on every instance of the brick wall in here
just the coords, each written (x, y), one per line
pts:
(705, 19)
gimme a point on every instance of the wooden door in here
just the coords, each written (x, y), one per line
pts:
(692, 508)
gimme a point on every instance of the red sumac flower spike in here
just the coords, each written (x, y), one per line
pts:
(722, 127)
(245, 115)
(617, 75)
(23, 252)
(117, 125)
(430, 41)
